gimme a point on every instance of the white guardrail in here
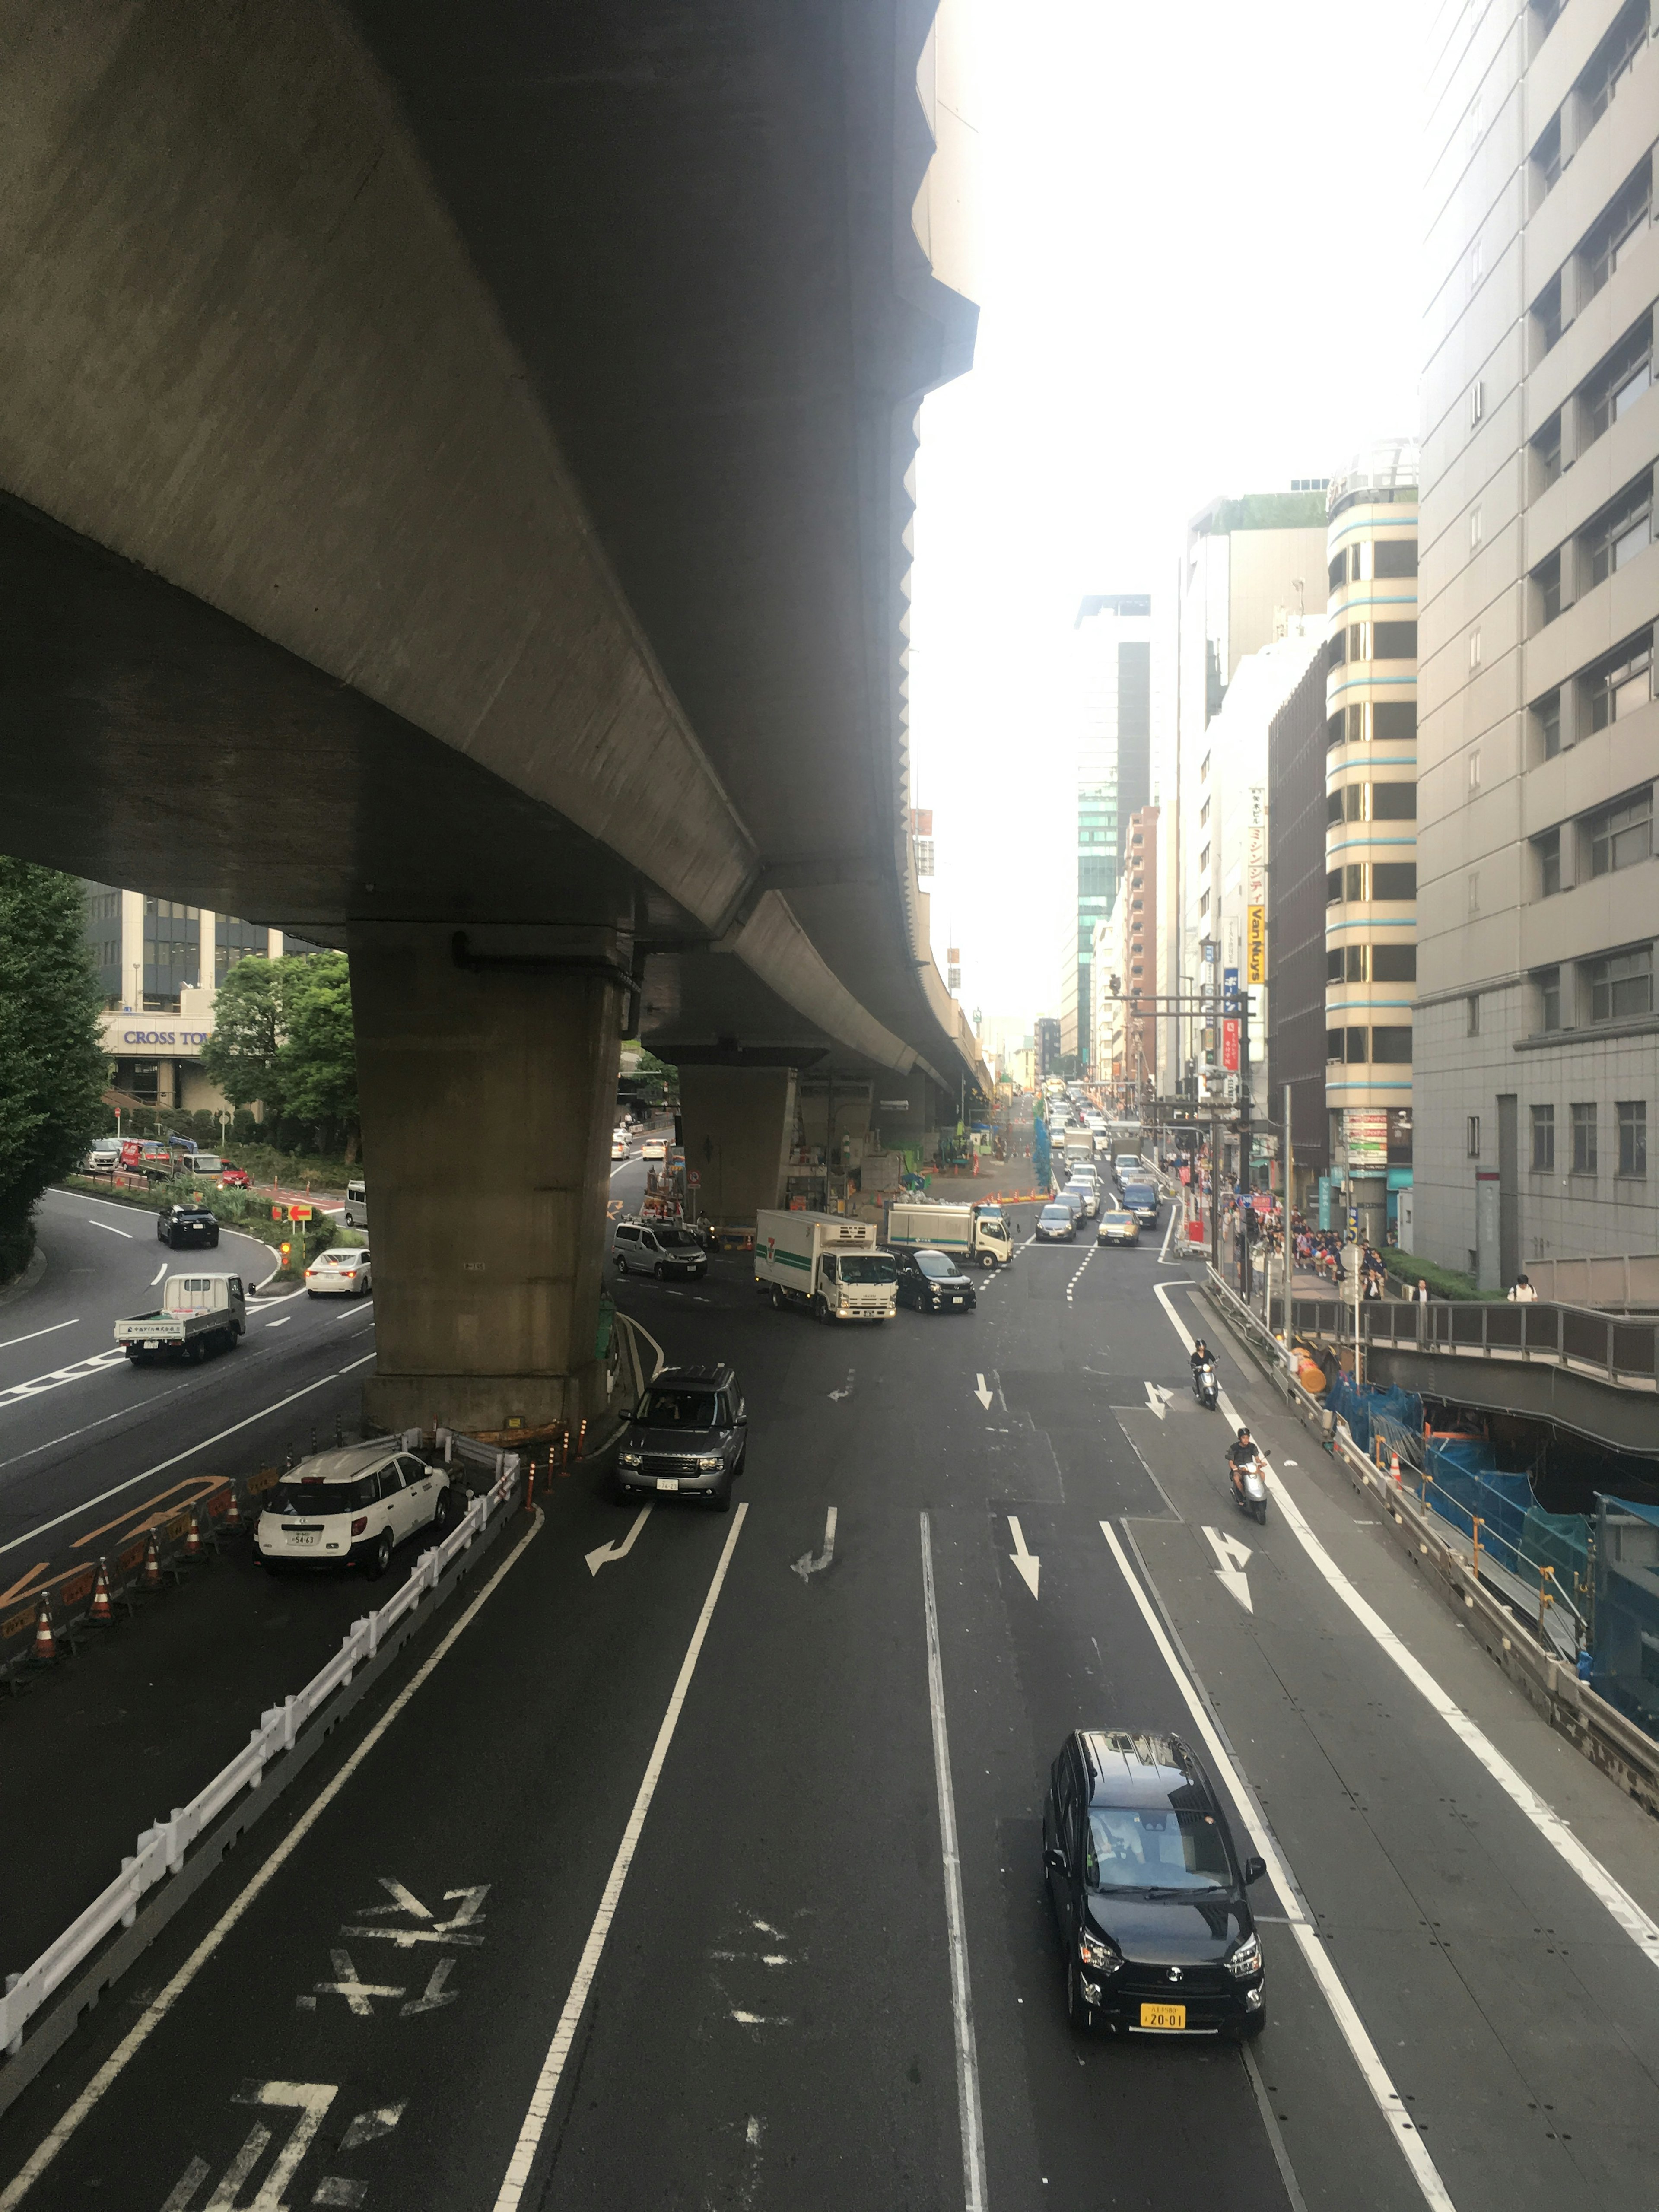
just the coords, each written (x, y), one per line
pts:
(162, 1849)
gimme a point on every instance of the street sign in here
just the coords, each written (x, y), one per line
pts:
(278, 1212)
(1255, 943)
(693, 1180)
(299, 1213)
(1229, 982)
(1229, 1045)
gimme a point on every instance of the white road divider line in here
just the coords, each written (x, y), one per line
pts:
(190, 1451)
(1387, 2098)
(35, 1333)
(157, 2010)
(1642, 1929)
(281, 1322)
(57, 1377)
(110, 1227)
(809, 1563)
(962, 1995)
(159, 1275)
(517, 2176)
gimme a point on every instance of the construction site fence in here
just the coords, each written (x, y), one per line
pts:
(160, 1850)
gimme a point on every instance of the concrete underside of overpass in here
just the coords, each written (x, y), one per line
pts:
(455, 475)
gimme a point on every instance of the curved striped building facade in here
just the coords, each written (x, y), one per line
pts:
(1371, 838)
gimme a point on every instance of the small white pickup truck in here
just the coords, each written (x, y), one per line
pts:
(198, 1315)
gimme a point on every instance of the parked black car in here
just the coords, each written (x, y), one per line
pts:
(689, 1434)
(659, 1248)
(930, 1282)
(1148, 1890)
(186, 1225)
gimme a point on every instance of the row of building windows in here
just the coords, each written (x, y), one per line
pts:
(1613, 987)
(1373, 557)
(1358, 880)
(1592, 92)
(1371, 802)
(1371, 963)
(1583, 1153)
(1374, 721)
(1596, 256)
(1622, 529)
(1620, 835)
(1372, 641)
(1387, 1044)
(1618, 684)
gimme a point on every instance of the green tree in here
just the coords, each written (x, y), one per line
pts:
(242, 1056)
(52, 1068)
(317, 1062)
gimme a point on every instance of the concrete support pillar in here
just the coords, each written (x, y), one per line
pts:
(740, 1126)
(486, 1068)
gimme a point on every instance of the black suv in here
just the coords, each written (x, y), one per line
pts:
(930, 1281)
(1148, 1890)
(689, 1433)
(186, 1225)
(659, 1248)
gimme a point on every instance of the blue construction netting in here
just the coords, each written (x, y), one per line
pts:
(1370, 1404)
(1626, 1664)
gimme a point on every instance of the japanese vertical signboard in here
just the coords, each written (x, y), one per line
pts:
(1255, 888)
(1255, 945)
(1229, 1045)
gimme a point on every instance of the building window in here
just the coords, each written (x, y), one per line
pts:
(1546, 580)
(1584, 1138)
(1621, 684)
(1394, 640)
(1620, 532)
(172, 952)
(1619, 381)
(1339, 572)
(1548, 980)
(1543, 1140)
(1336, 729)
(1395, 556)
(1547, 851)
(1472, 1014)
(1474, 527)
(1393, 879)
(1546, 451)
(1356, 1053)
(1477, 401)
(1475, 648)
(1355, 963)
(1204, 858)
(1612, 60)
(1393, 721)
(1624, 217)
(1391, 1044)
(1334, 964)
(1618, 987)
(1333, 886)
(1394, 963)
(1633, 1137)
(1332, 1044)
(1620, 837)
(233, 940)
(1332, 807)
(1472, 1138)
(1471, 888)
(1475, 770)
(1546, 719)
(1204, 814)
(1356, 729)
(1354, 884)
(1204, 904)
(1547, 315)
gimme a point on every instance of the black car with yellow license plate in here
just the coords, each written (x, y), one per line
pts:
(1148, 1890)
(186, 1225)
(1117, 1227)
(933, 1282)
(1141, 1200)
(1057, 1225)
(689, 1437)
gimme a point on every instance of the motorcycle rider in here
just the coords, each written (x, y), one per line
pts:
(1241, 1456)
(1201, 1357)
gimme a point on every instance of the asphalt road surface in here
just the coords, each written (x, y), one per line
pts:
(635, 1888)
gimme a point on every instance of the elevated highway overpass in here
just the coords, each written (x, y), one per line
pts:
(456, 495)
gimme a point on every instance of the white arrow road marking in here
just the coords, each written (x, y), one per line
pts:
(846, 1390)
(369, 2127)
(981, 1393)
(607, 1552)
(58, 1375)
(1234, 1557)
(1157, 1398)
(313, 2099)
(1027, 1562)
(811, 1564)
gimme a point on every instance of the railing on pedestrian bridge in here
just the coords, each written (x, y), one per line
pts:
(1613, 1347)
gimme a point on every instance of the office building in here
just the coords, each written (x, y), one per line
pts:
(1370, 886)
(1251, 566)
(1046, 1033)
(160, 963)
(1295, 933)
(1537, 1042)
(1113, 782)
(1128, 965)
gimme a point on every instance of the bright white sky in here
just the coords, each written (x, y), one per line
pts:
(1200, 273)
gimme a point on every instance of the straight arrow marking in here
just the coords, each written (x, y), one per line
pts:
(607, 1552)
(1027, 1562)
(1234, 1557)
(1157, 1398)
(981, 1393)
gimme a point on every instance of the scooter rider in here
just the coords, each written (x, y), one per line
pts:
(1202, 1356)
(1241, 1457)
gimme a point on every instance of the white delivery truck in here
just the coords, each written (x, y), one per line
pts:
(198, 1313)
(969, 1233)
(825, 1261)
(1079, 1144)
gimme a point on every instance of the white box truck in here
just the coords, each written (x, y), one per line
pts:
(198, 1313)
(827, 1262)
(974, 1234)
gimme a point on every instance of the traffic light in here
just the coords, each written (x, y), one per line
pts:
(286, 1249)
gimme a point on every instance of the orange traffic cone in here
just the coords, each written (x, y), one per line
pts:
(152, 1564)
(1394, 1466)
(193, 1539)
(233, 1512)
(101, 1608)
(46, 1644)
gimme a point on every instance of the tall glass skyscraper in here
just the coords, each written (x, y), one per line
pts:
(1113, 781)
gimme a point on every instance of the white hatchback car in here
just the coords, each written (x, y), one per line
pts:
(353, 1507)
(343, 1272)
(654, 1148)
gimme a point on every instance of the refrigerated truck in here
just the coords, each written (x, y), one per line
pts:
(827, 1262)
(976, 1235)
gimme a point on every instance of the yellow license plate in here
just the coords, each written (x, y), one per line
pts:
(1163, 2015)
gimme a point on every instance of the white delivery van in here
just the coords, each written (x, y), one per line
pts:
(198, 1313)
(825, 1261)
(973, 1233)
(356, 1215)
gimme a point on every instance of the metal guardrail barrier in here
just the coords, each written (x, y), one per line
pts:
(1622, 1349)
(160, 1849)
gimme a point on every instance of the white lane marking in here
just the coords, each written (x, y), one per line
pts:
(281, 1322)
(846, 1390)
(1233, 1557)
(369, 2127)
(607, 1554)
(110, 1229)
(536, 2118)
(162, 1466)
(354, 1313)
(157, 2010)
(159, 1274)
(1176, 1217)
(981, 1393)
(1157, 1399)
(961, 1997)
(56, 1377)
(1642, 1930)
(1027, 1563)
(1374, 2073)
(1078, 1278)
(810, 1563)
(53, 1331)
(311, 2101)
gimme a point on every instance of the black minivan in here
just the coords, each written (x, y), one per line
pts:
(1149, 1890)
